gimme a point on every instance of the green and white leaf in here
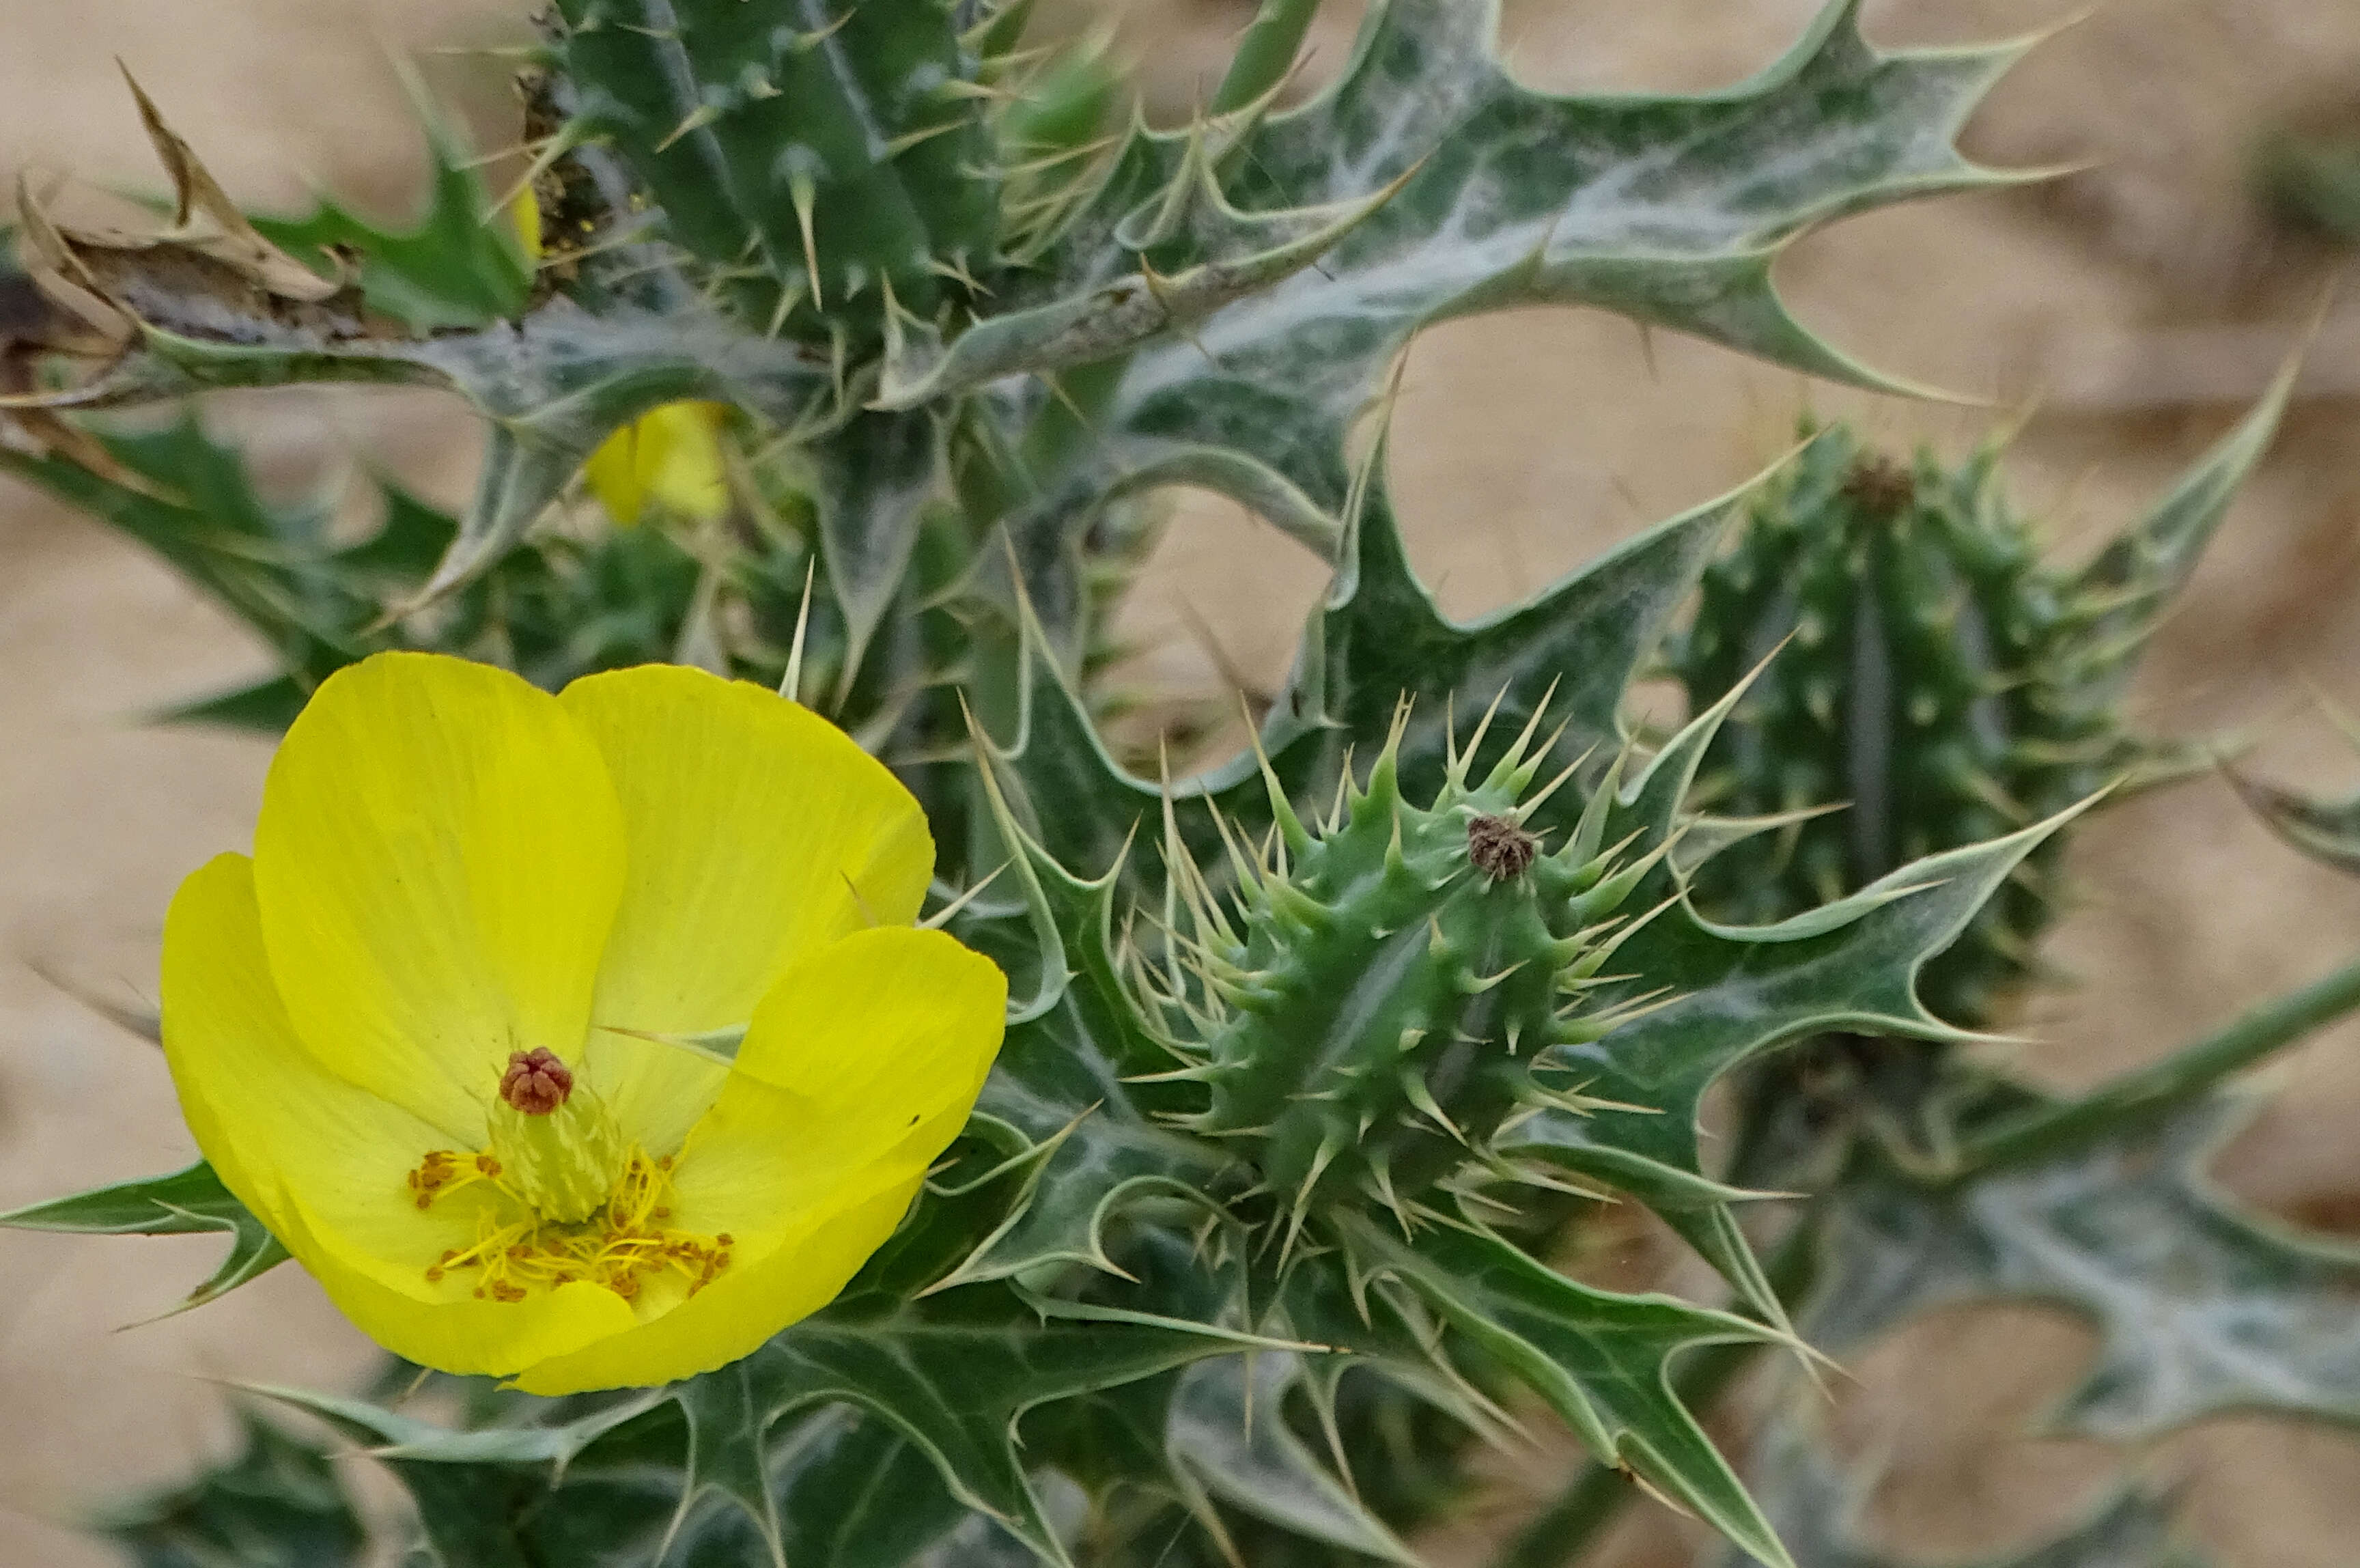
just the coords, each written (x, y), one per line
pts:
(951, 1382)
(1818, 1505)
(1601, 1361)
(1669, 210)
(1737, 992)
(2201, 1308)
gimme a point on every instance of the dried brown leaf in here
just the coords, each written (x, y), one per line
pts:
(206, 221)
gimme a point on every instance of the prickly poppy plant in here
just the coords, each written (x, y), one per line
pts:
(1185, 1187)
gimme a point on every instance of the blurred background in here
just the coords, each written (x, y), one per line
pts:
(2123, 313)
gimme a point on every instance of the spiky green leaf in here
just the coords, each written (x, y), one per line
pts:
(1739, 990)
(186, 1202)
(2123, 593)
(1229, 1430)
(1601, 1360)
(1085, 1140)
(455, 266)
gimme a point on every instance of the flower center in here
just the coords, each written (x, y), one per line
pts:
(566, 1197)
(557, 1144)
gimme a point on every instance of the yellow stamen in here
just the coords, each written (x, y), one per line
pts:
(621, 1244)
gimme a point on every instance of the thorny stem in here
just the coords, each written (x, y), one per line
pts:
(2172, 1082)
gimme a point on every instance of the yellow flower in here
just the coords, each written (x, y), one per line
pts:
(396, 1030)
(671, 454)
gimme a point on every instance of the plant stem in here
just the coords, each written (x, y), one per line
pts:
(2172, 1082)
(1266, 52)
(1584, 1508)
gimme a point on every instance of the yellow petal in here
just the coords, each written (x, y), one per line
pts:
(891, 1014)
(438, 861)
(877, 1039)
(524, 211)
(455, 1332)
(859, 1070)
(751, 1301)
(613, 472)
(669, 455)
(680, 458)
(254, 1099)
(751, 821)
(322, 1163)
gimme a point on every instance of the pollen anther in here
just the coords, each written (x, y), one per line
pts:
(621, 1245)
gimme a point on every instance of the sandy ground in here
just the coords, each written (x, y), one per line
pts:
(1523, 445)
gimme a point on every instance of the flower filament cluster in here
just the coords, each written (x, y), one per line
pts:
(517, 1250)
(570, 1203)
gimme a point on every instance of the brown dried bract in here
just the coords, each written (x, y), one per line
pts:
(1500, 846)
(1880, 487)
(210, 274)
(88, 293)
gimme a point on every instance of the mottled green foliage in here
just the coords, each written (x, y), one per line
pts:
(278, 1503)
(1314, 1056)
(2200, 1308)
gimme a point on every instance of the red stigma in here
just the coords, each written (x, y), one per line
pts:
(536, 1082)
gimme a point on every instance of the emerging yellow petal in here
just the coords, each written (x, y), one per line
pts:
(383, 1033)
(524, 211)
(669, 457)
